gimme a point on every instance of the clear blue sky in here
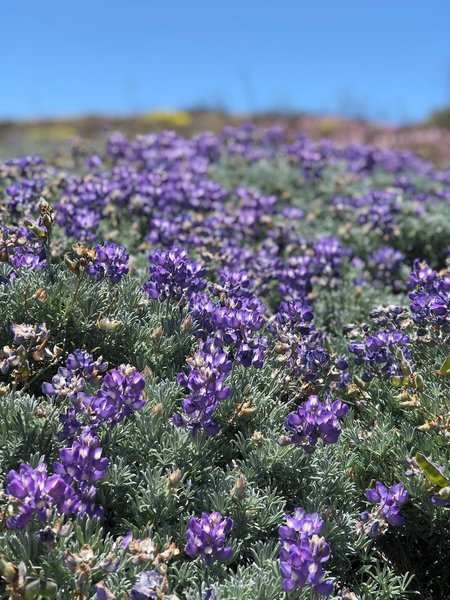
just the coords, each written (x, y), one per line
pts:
(387, 58)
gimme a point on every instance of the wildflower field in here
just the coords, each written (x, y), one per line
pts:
(224, 371)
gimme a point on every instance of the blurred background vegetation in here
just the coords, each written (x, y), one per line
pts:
(430, 139)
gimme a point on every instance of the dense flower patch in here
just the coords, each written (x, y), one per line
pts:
(224, 371)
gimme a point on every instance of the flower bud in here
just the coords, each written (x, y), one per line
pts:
(40, 295)
(9, 571)
(157, 333)
(281, 348)
(174, 479)
(108, 324)
(158, 409)
(110, 564)
(239, 489)
(428, 426)
(257, 438)
(186, 324)
(418, 382)
(243, 410)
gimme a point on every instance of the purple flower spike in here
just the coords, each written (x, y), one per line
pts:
(208, 370)
(37, 493)
(387, 510)
(173, 276)
(206, 537)
(314, 420)
(302, 552)
(111, 261)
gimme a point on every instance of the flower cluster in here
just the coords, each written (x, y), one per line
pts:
(384, 265)
(375, 212)
(295, 278)
(383, 352)
(387, 510)
(391, 316)
(206, 537)
(302, 347)
(80, 369)
(302, 553)
(20, 248)
(314, 420)
(328, 256)
(233, 318)
(110, 260)
(36, 493)
(23, 195)
(173, 276)
(82, 465)
(81, 206)
(208, 369)
(120, 394)
(430, 298)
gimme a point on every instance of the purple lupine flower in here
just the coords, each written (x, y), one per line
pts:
(389, 316)
(208, 369)
(309, 155)
(120, 395)
(80, 222)
(430, 298)
(302, 347)
(328, 256)
(295, 278)
(206, 537)
(422, 276)
(94, 161)
(375, 212)
(20, 247)
(384, 265)
(83, 461)
(303, 552)
(23, 196)
(234, 321)
(37, 492)
(387, 510)
(25, 162)
(81, 466)
(111, 261)
(173, 276)
(314, 420)
(295, 316)
(236, 283)
(22, 259)
(80, 367)
(81, 206)
(379, 353)
(151, 584)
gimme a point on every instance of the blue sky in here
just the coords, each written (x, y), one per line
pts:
(387, 59)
